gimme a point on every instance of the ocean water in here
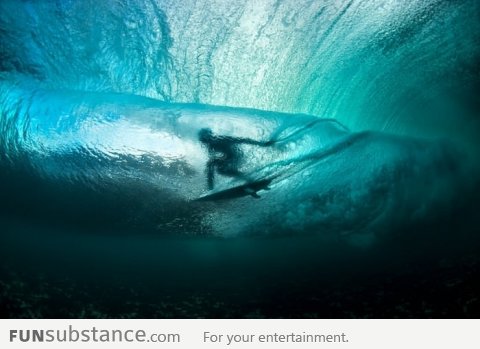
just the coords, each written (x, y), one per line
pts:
(363, 117)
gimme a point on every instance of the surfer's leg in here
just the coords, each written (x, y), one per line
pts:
(228, 169)
(237, 174)
(210, 173)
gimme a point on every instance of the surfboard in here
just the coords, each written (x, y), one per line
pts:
(249, 188)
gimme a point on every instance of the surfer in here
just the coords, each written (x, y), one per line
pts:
(224, 155)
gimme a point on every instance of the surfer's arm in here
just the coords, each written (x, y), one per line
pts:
(254, 142)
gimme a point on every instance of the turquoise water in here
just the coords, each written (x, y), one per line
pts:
(383, 65)
(373, 110)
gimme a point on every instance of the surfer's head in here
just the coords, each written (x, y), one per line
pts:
(205, 135)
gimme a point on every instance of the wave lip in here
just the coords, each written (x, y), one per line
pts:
(395, 67)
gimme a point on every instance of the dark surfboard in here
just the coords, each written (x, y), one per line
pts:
(250, 188)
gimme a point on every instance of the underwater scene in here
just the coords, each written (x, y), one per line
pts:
(239, 159)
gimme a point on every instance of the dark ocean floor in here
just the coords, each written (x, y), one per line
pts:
(54, 275)
(449, 289)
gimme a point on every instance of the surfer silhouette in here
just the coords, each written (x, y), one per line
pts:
(224, 154)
